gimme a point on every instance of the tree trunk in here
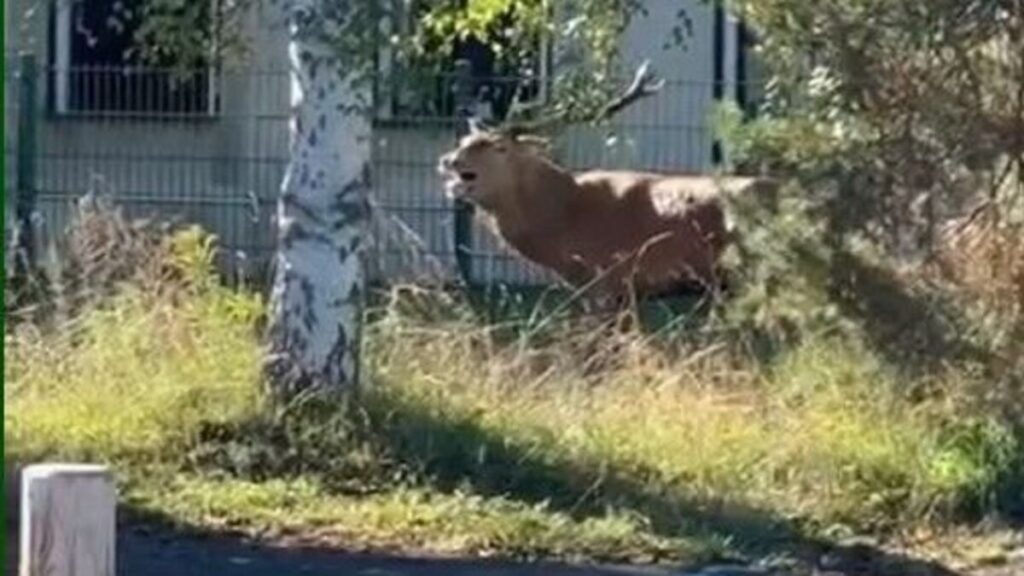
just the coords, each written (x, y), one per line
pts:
(316, 302)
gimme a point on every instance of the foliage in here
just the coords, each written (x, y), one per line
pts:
(574, 441)
(183, 34)
(780, 268)
(897, 127)
(915, 108)
(584, 37)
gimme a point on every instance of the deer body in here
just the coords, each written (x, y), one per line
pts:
(616, 230)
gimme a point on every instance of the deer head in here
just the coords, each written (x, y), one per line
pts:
(489, 162)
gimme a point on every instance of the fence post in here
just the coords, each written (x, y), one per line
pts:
(718, 72)
(68, 525)
(463, 225)
(25, 173)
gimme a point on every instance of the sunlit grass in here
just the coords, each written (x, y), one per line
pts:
(564, 441)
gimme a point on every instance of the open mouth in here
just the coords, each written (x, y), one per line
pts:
(457, 183)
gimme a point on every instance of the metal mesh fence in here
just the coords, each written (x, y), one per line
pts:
(161, 146)
(10, 151)
(211, 149)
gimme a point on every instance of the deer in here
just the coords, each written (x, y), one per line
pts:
(617, 233)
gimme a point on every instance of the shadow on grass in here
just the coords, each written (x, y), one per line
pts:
(152, 544)
(914, 332)
(456, 452)
(450, 452)
(920, 334)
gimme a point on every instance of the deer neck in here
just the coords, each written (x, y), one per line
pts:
(540, 206)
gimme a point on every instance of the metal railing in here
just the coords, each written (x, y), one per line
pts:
(210, 147)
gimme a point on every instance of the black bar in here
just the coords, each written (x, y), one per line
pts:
(742, 42)
(463, 225)
(718, 70)
(25, 173)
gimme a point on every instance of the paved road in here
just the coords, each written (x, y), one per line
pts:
(149, 555)
(152, 557)
(146, 554)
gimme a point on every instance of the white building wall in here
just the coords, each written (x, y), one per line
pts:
(224, 172)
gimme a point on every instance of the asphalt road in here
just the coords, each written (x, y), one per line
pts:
(164, 554)
(156, 555)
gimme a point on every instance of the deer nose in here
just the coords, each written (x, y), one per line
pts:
(450, 163)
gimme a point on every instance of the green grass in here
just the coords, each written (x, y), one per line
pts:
(134, 381)
(561, 440)
(407, 518)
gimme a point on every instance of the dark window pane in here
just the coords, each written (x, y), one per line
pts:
(107, 74)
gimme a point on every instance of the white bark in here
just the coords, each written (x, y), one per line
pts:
(322, 213)
(67, 521)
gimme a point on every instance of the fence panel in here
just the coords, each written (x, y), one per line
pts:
(211, 148)
(11, 93)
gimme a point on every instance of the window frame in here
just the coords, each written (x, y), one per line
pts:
(389, 109)
(61, 70)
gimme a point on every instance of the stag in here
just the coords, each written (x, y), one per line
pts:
(618, 233)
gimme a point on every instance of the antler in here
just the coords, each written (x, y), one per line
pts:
(644, 84)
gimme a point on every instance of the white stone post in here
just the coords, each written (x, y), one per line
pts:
(67, 520)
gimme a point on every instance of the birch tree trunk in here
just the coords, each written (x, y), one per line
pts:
(316, 302)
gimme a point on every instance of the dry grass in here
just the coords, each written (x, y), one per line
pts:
(827, 434)
(134, 376)
(985, 257)
(554, 438)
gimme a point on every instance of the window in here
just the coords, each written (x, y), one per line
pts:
(426, 89)
(498, 83)
(97, 69)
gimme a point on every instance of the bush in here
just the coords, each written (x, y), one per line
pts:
(135, 373)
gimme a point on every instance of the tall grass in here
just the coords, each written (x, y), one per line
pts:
(827, 434)
(134, 377)
(556, 438)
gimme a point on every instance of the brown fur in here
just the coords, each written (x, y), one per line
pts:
(615, 229)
